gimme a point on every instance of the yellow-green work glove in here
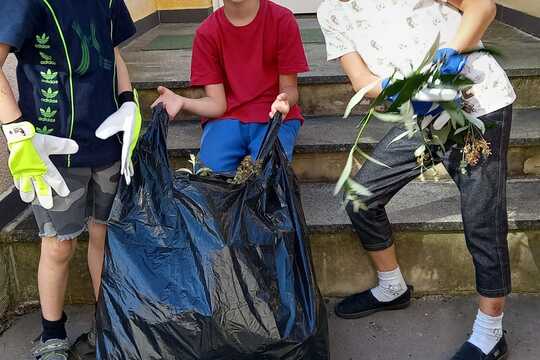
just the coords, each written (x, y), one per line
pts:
(126, 119)
(32, 170)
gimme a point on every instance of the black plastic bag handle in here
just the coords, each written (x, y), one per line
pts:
(271, 137)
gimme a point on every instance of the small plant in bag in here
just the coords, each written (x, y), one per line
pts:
(197, 167)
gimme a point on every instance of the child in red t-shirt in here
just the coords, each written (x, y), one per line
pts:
(247, 56)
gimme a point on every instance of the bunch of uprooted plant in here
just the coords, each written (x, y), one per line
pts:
(453, 125)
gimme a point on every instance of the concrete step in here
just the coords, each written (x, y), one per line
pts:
(324, 142)
(433, 328)
(428, 232)
(324, 90)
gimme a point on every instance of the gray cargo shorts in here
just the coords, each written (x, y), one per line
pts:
(91, 198)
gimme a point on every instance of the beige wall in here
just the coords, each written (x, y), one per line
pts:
(183, 4)
(531, 7)
(141, 8)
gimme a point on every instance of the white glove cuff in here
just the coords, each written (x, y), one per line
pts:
(19, 131)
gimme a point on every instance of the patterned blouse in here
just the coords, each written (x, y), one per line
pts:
(396, 34)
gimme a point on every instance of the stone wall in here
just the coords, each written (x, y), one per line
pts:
(5, 179)
(5, 298)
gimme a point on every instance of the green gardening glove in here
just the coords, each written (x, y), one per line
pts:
(32, 170)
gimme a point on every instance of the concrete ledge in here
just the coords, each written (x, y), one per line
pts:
(5, 290)
(145, 24)
(184, 15)
(429, 206)
(23, 259)
(425, 218)
(324, 142)
(330, 98)
(434, 263)
(528, 23)
(10, 206)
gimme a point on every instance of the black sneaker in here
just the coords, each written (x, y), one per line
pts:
(84, 348)
(364, 304)
(53, 349)
(469, 351)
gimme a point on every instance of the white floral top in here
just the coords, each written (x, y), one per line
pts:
(396, 34)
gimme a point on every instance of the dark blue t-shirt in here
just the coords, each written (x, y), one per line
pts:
(66, 72)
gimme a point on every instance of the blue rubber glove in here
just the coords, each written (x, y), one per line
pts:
(453, 62)
(421, 108)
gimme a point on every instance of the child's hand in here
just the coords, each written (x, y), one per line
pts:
(171, 102)
(281, 104)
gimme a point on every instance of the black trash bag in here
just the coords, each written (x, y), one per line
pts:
(199, 268)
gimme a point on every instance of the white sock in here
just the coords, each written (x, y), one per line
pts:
(391, 285)
(487, 331)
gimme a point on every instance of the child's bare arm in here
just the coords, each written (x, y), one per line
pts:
(9, 109)
(477, 16)
(359, 73)
(288, 95)
(124, 82)
(213, 105)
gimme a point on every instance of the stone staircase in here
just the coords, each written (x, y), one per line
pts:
(428, 228)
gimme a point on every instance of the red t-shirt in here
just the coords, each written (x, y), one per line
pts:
(249, 59)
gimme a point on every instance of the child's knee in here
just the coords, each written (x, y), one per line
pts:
(57, 251)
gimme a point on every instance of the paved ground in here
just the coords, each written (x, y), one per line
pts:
(430, 330)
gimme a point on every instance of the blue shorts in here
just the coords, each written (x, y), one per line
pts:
(225, 143)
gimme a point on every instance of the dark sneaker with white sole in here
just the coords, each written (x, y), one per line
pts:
(84, 347)
(470, 352)
(53, 349)
(364, 304)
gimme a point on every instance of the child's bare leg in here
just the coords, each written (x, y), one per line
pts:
(53, 275)
(492, 306)
(96, 251)
(385, 260)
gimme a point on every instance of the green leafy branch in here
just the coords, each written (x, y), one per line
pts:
(426, 83)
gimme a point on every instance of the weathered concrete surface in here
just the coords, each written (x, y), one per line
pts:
(152, 68)
(324, 143)
(5, 178)
(23, 263)
(171, 68)
(319, 99)
(421, 206)
(5, 293)
(16, 343)
(434, 263)
(427, 232)
(431, 329)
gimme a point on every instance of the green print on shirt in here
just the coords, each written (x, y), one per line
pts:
(47, 115)
(49, 77)
(44, 130)
(42, 41)
(46, 59)
(49, 96)
(88, 43)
